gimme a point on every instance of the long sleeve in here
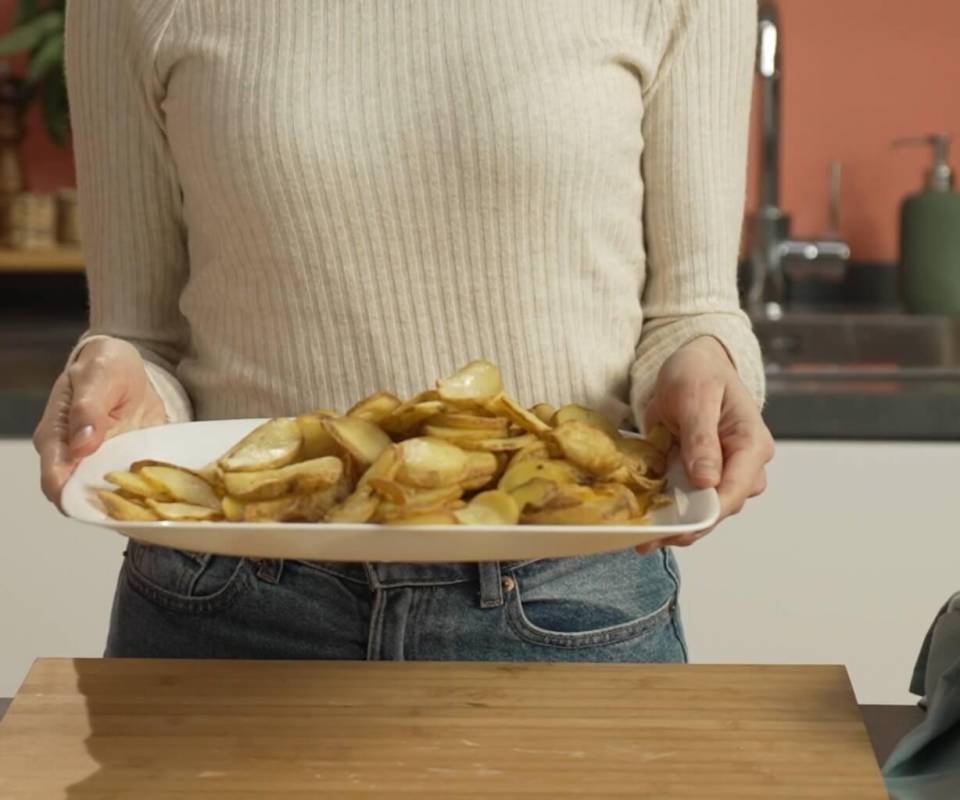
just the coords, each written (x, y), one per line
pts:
(694, 169)
(134, 242)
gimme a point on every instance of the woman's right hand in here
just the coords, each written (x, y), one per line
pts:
(105, 391)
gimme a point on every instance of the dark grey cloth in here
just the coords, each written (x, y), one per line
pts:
(926, 764)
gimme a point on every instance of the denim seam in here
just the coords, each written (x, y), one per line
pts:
(377, 616)
(613, 634)
(332, 573)
(675, 577)
(238, 582)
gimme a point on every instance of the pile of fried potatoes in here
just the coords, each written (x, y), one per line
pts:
(463, 453)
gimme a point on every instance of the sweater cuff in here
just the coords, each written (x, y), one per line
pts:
(176, 402)
(662, 339)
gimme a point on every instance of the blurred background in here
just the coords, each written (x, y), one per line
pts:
(850, 271)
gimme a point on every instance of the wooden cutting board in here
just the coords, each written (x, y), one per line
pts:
(241, 729)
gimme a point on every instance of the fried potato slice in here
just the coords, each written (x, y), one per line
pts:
(311, 507)
(274, 444)
(302, 477)
(472, 422)
(642, 456)
(660, 437)
(537, 492)
(572, 411)
(587, 446)
(482, 469)
(121, 508)
(417, 502)
(384, 468)
(213, 475)
(375, 408)
(233, 509)
(458, 435)
(477, 382)
(544, 412)
(537, 450)
(554, 470)
(389, 490)
(629, 476)
(182, 485)
(363, 440)
(597, 506)
(358, 507)
(317, 441)
(495, 507)
(406, 419)
(135, 485)
(503, 445)
(504, 405)
(428, 463)
(184, 512)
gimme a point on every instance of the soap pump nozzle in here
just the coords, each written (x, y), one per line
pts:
(940, 176)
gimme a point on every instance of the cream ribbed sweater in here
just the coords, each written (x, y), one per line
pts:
(290, 204)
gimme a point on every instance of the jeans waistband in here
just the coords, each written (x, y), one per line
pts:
(380, 575)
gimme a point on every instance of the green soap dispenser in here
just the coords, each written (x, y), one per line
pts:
(930, 237)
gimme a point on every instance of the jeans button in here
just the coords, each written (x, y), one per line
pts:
(509, 584)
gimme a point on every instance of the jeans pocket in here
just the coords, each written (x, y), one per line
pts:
(186, 582)
(591, 601)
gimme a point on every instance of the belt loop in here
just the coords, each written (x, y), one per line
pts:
(270, 570)
(491, 586)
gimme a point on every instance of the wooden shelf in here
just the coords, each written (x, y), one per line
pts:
(61, 259)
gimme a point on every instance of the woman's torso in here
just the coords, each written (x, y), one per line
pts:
(375, 193)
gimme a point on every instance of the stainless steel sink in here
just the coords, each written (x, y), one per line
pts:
(850, 344)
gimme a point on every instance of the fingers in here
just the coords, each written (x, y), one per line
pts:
(744, 473)
(56, 462)
(97, 390)
(683, 540)
(698, 419)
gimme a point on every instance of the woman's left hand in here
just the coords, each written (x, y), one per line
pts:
(724, 442)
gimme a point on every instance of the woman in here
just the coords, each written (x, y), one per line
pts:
(292, 205)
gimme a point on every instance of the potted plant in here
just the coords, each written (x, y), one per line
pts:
(38, 31)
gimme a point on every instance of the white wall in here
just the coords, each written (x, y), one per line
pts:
(845, 560)
(56, 576)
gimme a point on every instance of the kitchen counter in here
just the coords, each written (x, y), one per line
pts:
(137, 728)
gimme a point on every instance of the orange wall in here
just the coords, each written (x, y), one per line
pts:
(858, 74)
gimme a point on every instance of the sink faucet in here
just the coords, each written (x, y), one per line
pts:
(771, 244)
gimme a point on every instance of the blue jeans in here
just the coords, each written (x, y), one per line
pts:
(611, 607)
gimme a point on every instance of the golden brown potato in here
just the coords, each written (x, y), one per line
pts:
(300, 478)
(433, 518)
(477, 382)
(544, 412)
(537, 493)
(375, 408)
(363, 440)
(554, 470)
(182, 485)
(482, 469)
(458, 435)
(317, 441)
(357, 508)
(572, 411)
(507, 445)
(596, 507)
(407, 419)
(417, 502)
(310, 507)
(233, 510)
(135, 485)
(505, 405)
(642, 456)
(428, 463)
(587, 446)
(490, 508)
(472, 422)
(661, 438)
(124, 509)
(273, 444)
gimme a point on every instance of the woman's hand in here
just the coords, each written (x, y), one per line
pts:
(104, 392)
(724, 442)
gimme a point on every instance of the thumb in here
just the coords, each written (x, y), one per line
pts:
(698, 424)
(97, 391)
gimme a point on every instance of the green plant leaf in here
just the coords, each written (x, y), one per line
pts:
(47, 58)
(30, 34)
(56, 111)
(26, 10)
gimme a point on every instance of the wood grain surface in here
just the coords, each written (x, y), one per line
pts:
(239, 729)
